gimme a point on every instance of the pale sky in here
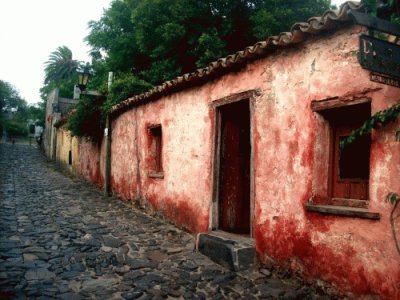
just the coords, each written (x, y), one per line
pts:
(31, 29)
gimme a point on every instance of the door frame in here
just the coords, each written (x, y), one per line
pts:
(250, 96)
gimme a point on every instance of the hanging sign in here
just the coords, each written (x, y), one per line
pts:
(385, 79)
(379, 56)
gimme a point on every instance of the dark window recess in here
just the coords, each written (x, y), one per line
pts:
(349, 178)
(349, 168)
(354, 159)
(70, 157)
(155, 151)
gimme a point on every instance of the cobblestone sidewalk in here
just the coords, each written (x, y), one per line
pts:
(60, 238)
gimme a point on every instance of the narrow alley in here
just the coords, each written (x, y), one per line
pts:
(61, 238)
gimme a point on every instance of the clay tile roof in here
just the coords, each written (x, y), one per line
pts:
(298, 33)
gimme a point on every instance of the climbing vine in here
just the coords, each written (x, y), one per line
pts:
(380, 118)
(394, 199)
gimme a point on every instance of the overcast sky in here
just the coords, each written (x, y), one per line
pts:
(31, 29)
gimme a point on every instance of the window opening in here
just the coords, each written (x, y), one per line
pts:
(155, 151)
(350, 166)
(70, 157)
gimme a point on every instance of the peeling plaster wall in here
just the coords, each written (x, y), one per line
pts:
(290, 147)
(87, 157)
(91, 161)
(186, 138)
(63, 146)
(65, 143)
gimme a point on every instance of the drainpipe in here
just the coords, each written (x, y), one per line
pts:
(107, 134)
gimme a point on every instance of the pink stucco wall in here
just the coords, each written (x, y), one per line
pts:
(91, 161)
(184, 141)
(290, 163)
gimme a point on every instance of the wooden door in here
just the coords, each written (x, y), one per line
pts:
(350, 165)
(235, 153)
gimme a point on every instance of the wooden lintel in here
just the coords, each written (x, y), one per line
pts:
(236, 97)
(321, 105)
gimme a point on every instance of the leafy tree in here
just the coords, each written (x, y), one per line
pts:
(276, 16)
(113, 36)
(37, 113)
(161, 39)
(86, 119)
(384, 9)
(123, 87)
(12, 103)
(9, 96)
(146, 42)
(60, 72)
(60, 66)
(16, 129)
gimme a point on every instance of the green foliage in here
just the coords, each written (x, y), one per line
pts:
(276, 16)
(161, 39)
(60, 72)
(378, 119)
(393, 198)
(37, 113)
(65, 88)
(123, 87)
(9, 97)
(211, 46)
(60, 67)
(16, 129)
(146, 42)
(389, 10)
(114, 35)
(86, 119)
(15, 112)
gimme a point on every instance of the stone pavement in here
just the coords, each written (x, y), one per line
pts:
(61, 238)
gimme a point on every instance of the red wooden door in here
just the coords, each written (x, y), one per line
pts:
(235, 168)
(350, 165)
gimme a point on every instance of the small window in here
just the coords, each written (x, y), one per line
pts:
(155, 152)
(349, 167)
(70, 157)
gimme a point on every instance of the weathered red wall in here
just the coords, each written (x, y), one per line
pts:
(290, 145)
(91, 161)
(186, 138)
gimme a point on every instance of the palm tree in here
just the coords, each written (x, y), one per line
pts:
(60, 66)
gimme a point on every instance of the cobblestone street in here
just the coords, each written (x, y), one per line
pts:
(61, 238)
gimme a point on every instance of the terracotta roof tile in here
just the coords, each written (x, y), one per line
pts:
(298, 33)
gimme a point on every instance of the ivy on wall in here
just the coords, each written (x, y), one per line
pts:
(394, 199)
(379, 119)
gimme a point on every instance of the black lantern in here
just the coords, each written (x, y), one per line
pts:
(83, 78)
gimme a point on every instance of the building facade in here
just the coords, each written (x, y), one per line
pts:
(250, 145)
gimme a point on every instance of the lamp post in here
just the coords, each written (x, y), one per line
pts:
(83, 78)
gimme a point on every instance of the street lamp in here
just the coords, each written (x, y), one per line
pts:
(83, 78)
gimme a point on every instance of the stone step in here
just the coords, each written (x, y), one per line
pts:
(234, 252)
